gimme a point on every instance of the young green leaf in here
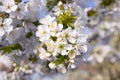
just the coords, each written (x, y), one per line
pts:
(10, 48)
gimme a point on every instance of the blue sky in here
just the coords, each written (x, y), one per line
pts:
(91, 4)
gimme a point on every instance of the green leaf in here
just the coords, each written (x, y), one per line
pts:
(29, 34)
(23, 79)
(18, 1)
(1, 3)
(106, 3)
(54, 38)
(51, 4)
(92, 13)
(10, 48)
(36, 23)
(33, 58)
(61, 59)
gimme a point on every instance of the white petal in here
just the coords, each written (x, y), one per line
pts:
(61, 68)
(13, 14)
(13, 8)
(7, 21)
(72, 54)
(73, 66)
(10, 39)
(2, 32)
(71, 40)
(8, 28)
(68, 47)
(47, 20)
(20, 16)
(83, 48)
(60, 27)
(38, 33)
(7, 10)
(2, 8)
(52, 65)
(54, 53)
(64, 52)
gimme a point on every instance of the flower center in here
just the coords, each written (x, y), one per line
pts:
(1, 25)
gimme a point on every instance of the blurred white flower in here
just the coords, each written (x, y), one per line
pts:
(15, 35)
(82, 48)
(5, 26)
(3, 76)
(100, 53)
(8, 6)
(61, 68)
(52, 65)
(28, 24)
(5, 63)
(20, 11)
(33, 12)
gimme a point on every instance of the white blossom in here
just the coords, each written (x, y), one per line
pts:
(5, 62)
(5, 26)
(47, 20)
(61, 68)
(8, 6)
(52, 65)
(43, 32)
(20, 11)
(69, 35)
(43, 54)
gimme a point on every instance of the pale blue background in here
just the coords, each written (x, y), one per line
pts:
(90, 3)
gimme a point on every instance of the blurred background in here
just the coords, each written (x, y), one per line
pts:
(103, 29)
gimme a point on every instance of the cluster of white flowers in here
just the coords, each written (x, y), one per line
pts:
(61, 42)
(41, 31)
